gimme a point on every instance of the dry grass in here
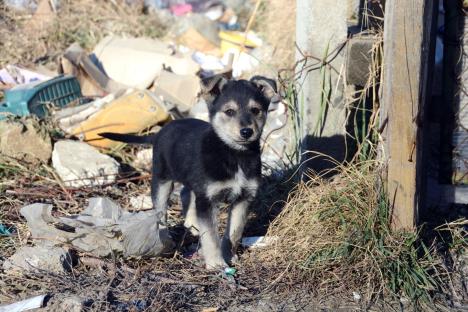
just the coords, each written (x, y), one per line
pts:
(82, 21)
(334, 237)
(277, 24)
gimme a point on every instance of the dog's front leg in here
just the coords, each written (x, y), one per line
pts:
(208, 229)
(235, 227)
(187, 197)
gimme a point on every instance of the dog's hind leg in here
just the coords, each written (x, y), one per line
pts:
(160, 192)
(234, 229)
(208, 228)
(187, 197)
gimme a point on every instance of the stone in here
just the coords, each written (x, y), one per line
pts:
(40, 258)
(69, 303)
(143, 159)
(359, 59)
(24, 141)
(141, 202)
(79, 164)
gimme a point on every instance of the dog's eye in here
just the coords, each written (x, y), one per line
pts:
(255, 111)
(230, 112)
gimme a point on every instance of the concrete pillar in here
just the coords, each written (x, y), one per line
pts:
(321, 25)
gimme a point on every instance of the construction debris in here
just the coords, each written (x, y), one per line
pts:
(141, 202)
(136, 62)
(144, 159)
(23, 140)
(42, 257)
(79, 164)
(94, 82)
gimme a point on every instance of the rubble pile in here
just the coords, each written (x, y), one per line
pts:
(124, 85)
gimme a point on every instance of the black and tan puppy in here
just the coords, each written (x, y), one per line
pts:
(216, 162)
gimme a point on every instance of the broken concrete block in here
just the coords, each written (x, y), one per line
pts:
(23, 141)
(79, 164)
(40, 258)
(69, 303)
(144, 159)
(141, 202)
(358, 60)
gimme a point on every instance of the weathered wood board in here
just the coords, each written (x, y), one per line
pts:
(407, 37)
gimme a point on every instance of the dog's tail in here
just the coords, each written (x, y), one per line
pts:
(128, 138)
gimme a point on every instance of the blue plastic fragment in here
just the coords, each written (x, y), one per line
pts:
(4, 230)
(34, 97)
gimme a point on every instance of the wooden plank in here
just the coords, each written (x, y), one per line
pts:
(407, 35)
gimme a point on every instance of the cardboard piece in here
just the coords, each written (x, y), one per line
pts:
(198, 33)
(130, 113)
(136, 62)
(179, 90)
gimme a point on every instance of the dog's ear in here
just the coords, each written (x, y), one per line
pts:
(211, 87)
(267, 87)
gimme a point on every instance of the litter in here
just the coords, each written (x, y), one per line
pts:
(208, 63)
(356, 296)
(234, 40)
(242, 63)
(4, 230)
(130, 113)
(38, 258)
(230, 271)
(93, 81)
(70, 117)
(102, 229)
(24, 305)
(34, 98)
(257, 241)
(181, 9)
(136, 62)
(79, 164)
(198, 33)
(14, 75)
(177, 90)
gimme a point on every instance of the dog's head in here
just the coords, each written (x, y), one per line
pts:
(238, 108)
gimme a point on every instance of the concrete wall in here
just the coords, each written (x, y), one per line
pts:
(322, 23)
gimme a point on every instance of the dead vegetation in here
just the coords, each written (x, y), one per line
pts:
(84, 21)
(336, 236)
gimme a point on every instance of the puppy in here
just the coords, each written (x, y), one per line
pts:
(216, 162)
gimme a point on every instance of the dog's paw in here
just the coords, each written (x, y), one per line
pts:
(234, 259)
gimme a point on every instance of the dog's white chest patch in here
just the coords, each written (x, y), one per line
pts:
(234, 186)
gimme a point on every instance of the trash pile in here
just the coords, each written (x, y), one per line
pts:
(124, 85)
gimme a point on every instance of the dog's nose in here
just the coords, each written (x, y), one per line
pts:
(246, 132)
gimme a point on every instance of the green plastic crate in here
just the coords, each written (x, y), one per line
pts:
(34, 98)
